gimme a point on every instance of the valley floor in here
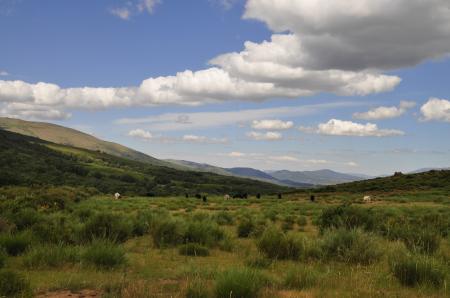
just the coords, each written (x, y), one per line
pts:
(303, 257)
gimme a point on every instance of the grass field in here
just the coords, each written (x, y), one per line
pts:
(396, 246)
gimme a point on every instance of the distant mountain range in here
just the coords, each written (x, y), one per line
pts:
(300, 179)
(68, 136)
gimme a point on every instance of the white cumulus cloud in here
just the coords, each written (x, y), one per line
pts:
(436, 109)
(385, 112)
(141, 134)
(335, 127)
(266, 136)
(271, 124)
(135, 7)
(203, 139)
(343, 47)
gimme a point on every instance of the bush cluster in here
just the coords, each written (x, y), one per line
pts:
(413, 270)
(351, 246)
(239, 282)
(277, 245)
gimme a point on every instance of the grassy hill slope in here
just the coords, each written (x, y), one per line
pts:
(28, 161)
(71, 137)
(431, 180)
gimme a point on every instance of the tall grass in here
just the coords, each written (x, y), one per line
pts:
(110, 226)
(412, 270)
(52, 256)
(13, 284)
(15, 244)
(239, 282)
(168, 232)
(277, 245)
(3, 257)
(104, 254)
(197, 288)
(351, 246)
(300, 278)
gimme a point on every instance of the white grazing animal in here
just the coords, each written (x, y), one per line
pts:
(367, 199)
(117, 195)
(226, 197)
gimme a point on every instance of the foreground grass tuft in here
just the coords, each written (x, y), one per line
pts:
(15, 244)
(412, 270)
(242, 282)
(13, 284)
(351, 246)
(104, 254)
(52, 256)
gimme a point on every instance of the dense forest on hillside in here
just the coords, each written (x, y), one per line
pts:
(31, 162)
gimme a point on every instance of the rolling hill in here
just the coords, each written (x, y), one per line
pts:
(431, 180)
(32, 162)
(71, 137)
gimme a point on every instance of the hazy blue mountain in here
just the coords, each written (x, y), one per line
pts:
(319, 177)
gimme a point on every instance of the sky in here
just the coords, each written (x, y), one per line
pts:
(357, 86)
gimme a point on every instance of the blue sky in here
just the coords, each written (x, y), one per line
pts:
(269, 103)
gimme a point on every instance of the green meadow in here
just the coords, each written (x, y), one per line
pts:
(398, 245)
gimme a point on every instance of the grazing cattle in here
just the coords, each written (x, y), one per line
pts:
(367, 199)
(258, 196)
(186, 195)
(312, 198)
(205, 199)
(198, 196)
(279, 196)
(117, 195)
(226, 197)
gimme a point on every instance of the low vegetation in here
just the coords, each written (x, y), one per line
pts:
(65, 231)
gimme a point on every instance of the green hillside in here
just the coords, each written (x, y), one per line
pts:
(31, 162)
(431, 180)
(71, 137)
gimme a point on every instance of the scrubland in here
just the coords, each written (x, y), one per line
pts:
(62, 238)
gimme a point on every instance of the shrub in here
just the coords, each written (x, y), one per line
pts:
(348, 217)
(168, 232)
(300, 278)
(415, 237)
(243, 283)
(51, 256)
(3, 257)
(245, 227)
(26, 218)
(224, 218)
(227, 243)
(193, 249)
(302, 221)
(107, 226)
(104, 254)
(351, 246)
(203, 232)
(6, 226)
(56, 229)
(15, 244)
(147, 220)
(277, 245)
(13, 284)
(412, 270)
